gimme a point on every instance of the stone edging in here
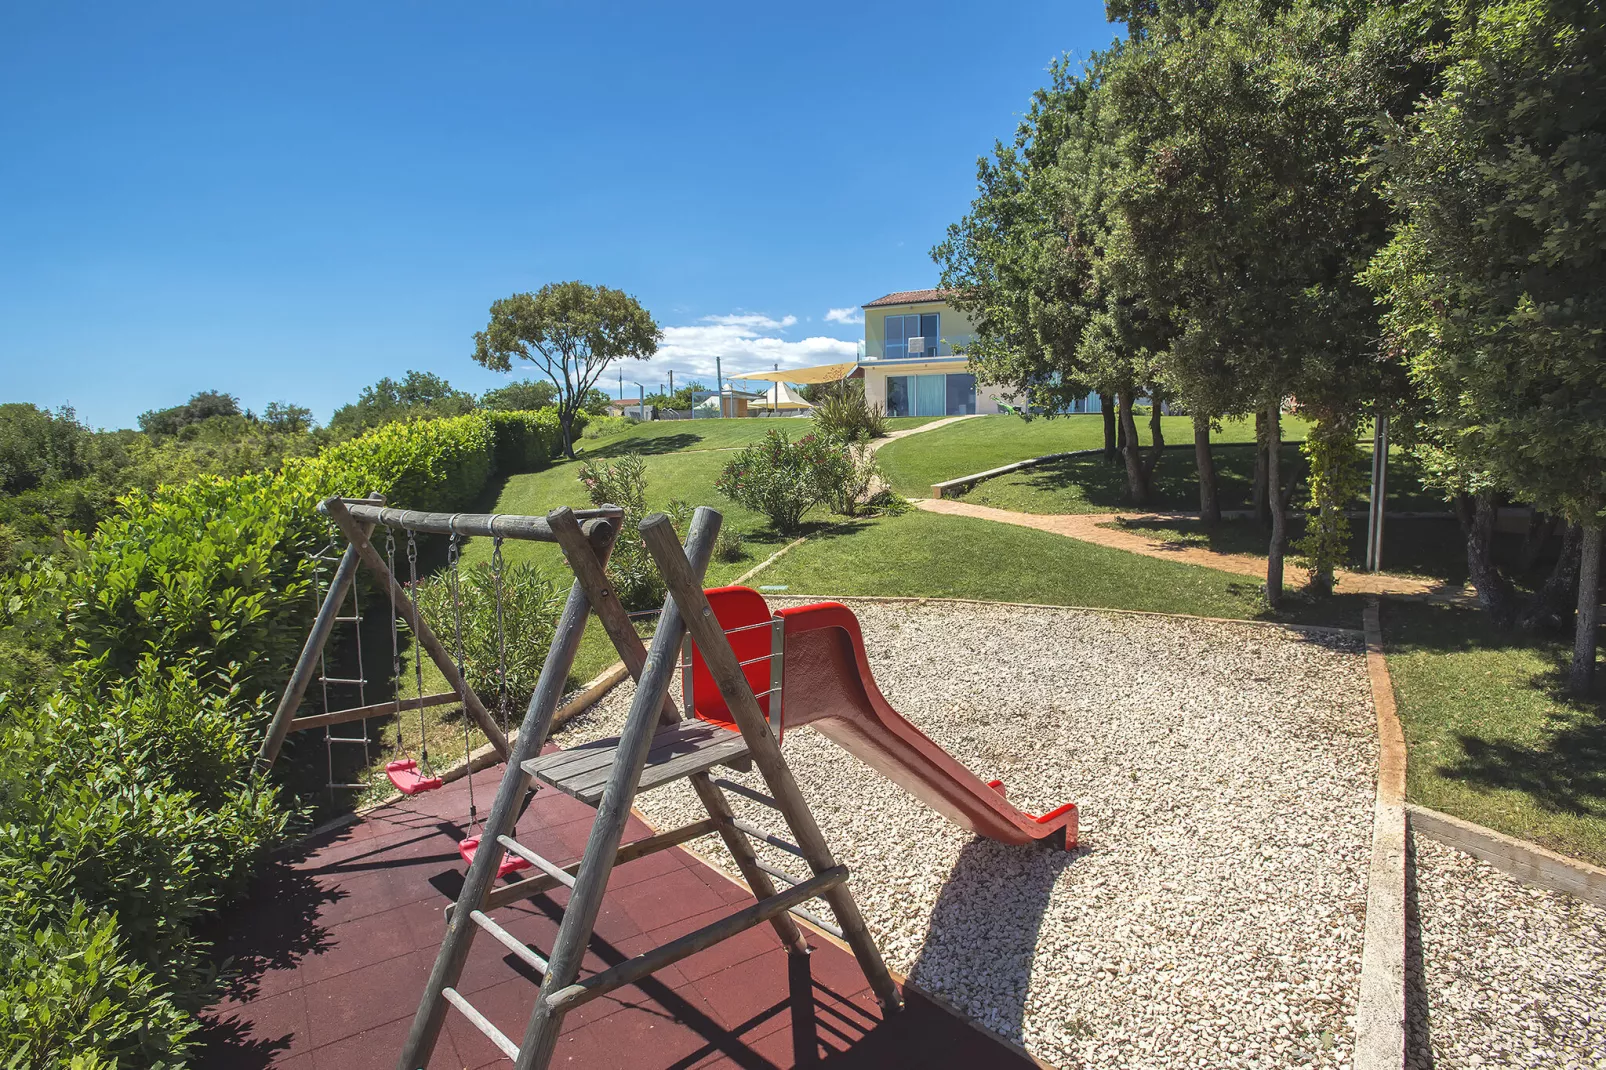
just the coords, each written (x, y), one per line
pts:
(1528, 862)
(1380, 1010)
(963, 482)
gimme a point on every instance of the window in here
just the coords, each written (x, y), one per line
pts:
(931, 395)
(902, 328)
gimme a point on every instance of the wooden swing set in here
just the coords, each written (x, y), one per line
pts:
(656, 747)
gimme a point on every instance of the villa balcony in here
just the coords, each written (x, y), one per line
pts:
(946, 347)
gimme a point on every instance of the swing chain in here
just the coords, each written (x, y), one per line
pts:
(418, 656)
(453, 554)
(501, 634)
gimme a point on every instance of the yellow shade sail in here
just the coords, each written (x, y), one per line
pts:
(822, 373)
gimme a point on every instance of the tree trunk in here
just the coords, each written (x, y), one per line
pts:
(1274, 556)
(1156, 436)
(1552, 604)
(566, 423)
(1209, 500)
(1541, 526)
(1137, 480)
(1582, 675)
(1107, 410)
(1259, 504)
(1477, 515)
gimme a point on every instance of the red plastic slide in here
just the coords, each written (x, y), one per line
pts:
(827, 684)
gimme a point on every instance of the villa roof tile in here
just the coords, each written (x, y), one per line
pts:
(908, 297)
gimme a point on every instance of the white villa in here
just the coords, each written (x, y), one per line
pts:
(912, 359)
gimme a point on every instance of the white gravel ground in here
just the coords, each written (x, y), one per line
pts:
(1225, 775)
(1507, 975)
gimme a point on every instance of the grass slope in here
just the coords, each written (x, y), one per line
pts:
(915, 463)
(1491, 735)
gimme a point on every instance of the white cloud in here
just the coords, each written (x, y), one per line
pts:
(742, 343)
(850, 316)
(752, 320)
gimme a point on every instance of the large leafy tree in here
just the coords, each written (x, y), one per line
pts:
(571, 332)
(416, 396)
(1495, 282)
(1241, 213)
(1026, 264)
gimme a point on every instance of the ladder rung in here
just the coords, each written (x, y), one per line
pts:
(818, 922)
(348, 620)
(341, 680)
(525, 953)
(349, 785)
(747, 792)
(768, 837)
(632, 970)
(349, 739)
(482, 1023)
(779, 874)
(551, 869)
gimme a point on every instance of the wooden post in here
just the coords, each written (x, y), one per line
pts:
(686, 592)
(459, 937)
(307, 663)
(607, 829)
(335, 509)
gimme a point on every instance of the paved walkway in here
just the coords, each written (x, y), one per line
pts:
(1086, 527)
(893, 436)
(332, 947)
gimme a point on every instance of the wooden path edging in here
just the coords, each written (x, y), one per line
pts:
(770, 560)
(1528, 862)
(1380, 1010)
(939, 490)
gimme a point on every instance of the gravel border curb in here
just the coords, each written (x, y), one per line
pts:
(1380, 1014)
(1528, 862)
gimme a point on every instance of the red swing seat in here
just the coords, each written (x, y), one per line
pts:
(409, 780)
(511, 863)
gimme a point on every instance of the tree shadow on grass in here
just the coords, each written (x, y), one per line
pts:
(650, 445)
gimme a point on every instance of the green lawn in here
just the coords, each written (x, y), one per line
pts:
(914, 464)
(677, 436)
(1491, 736)
(1090, 485)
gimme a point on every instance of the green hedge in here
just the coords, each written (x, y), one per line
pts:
(127, 807)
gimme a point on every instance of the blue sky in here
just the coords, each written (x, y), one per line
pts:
(288, 201)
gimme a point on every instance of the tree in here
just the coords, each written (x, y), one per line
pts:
(523, 396)
(417, 396)
(1241, 215)
(288, 419)
(571, 332)
(201, 406)
(1492, 281)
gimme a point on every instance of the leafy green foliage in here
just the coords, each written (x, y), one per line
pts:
(126, 814)
(526, 395)
(623, 482)
(517, 640)
(201, 407)
(417, 396)
(783, 479)
(1334, 459)
(846, 415)
(571, 332)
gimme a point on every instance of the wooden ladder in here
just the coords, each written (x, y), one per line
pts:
(656, 747)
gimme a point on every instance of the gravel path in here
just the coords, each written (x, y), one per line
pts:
(1514, 976)
(1224, 772)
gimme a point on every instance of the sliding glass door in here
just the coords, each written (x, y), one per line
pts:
(931, 395)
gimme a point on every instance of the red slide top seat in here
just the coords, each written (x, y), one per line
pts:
(409, 779)
(745, 609)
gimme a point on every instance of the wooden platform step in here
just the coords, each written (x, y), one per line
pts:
(677, 752)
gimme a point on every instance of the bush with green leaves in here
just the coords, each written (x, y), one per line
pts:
(623, 482)
(518, 638)
(127, 814)
(846, 415)
(783, 479)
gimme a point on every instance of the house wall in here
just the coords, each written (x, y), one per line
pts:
(875, 381)
(954, 327)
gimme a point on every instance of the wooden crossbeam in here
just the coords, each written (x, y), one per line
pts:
(377, 709)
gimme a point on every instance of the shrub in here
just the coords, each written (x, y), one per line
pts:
(608, 426)
(623, 482)
(853, 478)
(530, 607)
(782, 479)
(128, 814)
(730, 545)
(845, 415)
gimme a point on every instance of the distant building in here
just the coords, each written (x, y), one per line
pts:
(913, 363)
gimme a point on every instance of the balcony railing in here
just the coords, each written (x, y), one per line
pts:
(946, 347)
